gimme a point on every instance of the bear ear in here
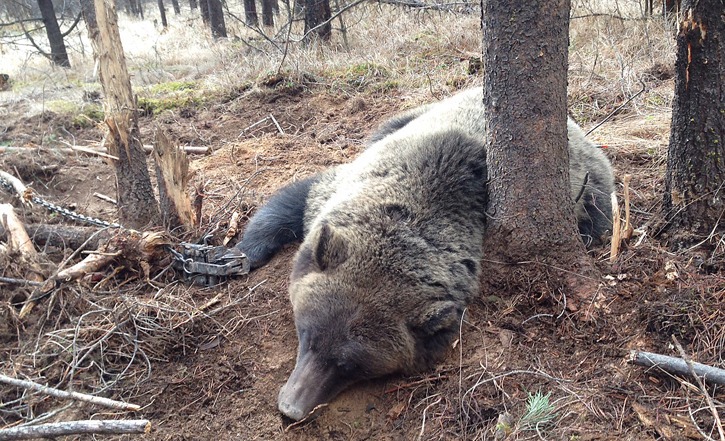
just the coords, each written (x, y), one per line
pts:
(330, 250)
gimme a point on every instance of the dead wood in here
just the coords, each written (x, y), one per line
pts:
(677, 366)
(26, 384)
(95, 150)
(20, 188)
(233, 228)
(616, 229)
(52, 430)
(172, 176)
(18, 240)
(65, 236)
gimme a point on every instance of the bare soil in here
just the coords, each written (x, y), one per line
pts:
(214, 373)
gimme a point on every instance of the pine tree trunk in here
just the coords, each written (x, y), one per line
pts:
(137, 204)
(318, 12)
(250, 13)
(162, 11)
(267, 14)
(204, 8)
(525, 76)
(216, 19)
(58, 53)
(695, 178)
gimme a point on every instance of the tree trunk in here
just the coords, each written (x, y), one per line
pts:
(694, 193)
(532, 216)
(318, 12)
(58, 53)
(267, 14)
(250, 13)
(216, 19)
(162, 11)
(204, 8)
(193, 4)
(177, 8)
(137, 204)
(670, 7)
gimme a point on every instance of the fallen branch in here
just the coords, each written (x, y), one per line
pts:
(67, 236)
(53, 430)
(233, 228)
(21, 282)
(27, 384)
(96, 151)
(677, 366)
(701, 386)
(18, 186)
(616, 229)
(18, 238)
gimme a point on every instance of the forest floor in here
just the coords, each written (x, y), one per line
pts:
(207, 363)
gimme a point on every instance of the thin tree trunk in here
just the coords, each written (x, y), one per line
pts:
(177, 8)
(250, 13)
(204, 8)
(318, 12)
(58, 53)
(267, 14)
(525, 77)
(162, 11)
(695, 178)
(137, 204)
(193, 4)
(216, 19)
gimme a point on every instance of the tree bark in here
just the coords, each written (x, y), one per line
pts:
(318, 12)
(204, 9)
(267, 14)
(532, 214)
(250, 13)
(216, 19)
(172, 177)
(162, 12)
(137, 204)
(52, 430)
(58, 53)
(694, 194)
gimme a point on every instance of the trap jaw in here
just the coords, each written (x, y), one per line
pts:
(209, 265)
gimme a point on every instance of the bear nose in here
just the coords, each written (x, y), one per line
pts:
(289, 409)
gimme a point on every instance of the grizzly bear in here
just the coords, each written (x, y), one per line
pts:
(392, 245)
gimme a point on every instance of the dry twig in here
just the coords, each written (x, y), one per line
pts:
(27, 384)
(52, 430)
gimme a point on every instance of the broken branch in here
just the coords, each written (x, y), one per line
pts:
(27, 384)
(53, 430)
(677, 366)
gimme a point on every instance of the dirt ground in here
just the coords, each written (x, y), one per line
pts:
(213, 372)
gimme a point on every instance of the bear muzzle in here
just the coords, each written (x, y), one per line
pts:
(310, 385)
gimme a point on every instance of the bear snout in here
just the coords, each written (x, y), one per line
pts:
(311, 384)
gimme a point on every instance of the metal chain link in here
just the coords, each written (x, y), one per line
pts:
(53, 208)
(201, 264)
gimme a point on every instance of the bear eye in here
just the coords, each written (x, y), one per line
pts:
(346, 367)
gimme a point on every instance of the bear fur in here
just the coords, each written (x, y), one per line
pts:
(391, 246)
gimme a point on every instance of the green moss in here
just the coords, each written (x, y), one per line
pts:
(88, 117)
(171, 87)
(386, 86)
(154, 106)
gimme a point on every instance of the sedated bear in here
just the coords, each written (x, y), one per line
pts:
(391, 246)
